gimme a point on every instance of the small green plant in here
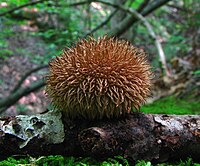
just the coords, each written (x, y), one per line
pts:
(143, 163)
(1, 82)
(197, 72)
(5, 53)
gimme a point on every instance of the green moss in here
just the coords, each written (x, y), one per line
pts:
(187, 162)
(65, 161)
(13, 162)
(172, 105)
(72, 161)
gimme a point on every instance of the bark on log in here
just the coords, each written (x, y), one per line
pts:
(137, 136)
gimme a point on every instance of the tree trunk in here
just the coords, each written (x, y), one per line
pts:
(137, 136)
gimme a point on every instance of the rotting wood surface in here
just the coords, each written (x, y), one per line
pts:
(137, 136)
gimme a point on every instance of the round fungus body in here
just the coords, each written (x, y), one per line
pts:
(103, 78)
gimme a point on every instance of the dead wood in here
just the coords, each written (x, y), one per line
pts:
(137, 136)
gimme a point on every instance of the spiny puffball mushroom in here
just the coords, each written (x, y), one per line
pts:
(103, 78)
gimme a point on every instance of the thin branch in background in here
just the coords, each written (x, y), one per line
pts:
(142, 5)
(179, 8)
(102, 24)
(22, 6)
(130, 20)
(79, 3)
(26, 75)
(153, 6)
(88, 20)
(149, 28)
(17, 93)
(13, 98)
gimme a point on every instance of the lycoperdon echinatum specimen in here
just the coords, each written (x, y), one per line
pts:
(103, 78)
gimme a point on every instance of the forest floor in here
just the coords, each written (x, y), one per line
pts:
(24, 49)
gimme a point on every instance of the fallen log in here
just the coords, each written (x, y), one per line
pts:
(137, 136)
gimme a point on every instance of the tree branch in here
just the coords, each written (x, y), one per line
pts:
(13, 98)
(21, 6)
(26, 75)
(179, 8)
(80, 3)
(102, 24)
(129, 20)
(142, 5)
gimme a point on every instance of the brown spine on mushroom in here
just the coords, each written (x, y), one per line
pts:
(99, 78)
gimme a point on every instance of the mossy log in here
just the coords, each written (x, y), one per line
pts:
(137, 136)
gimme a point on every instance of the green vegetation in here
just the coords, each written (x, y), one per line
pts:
(71, 161)
(5, 51)
(187, 162)
(64, 161)
(172, 105)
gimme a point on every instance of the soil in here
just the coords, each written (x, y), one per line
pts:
(16, 65)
